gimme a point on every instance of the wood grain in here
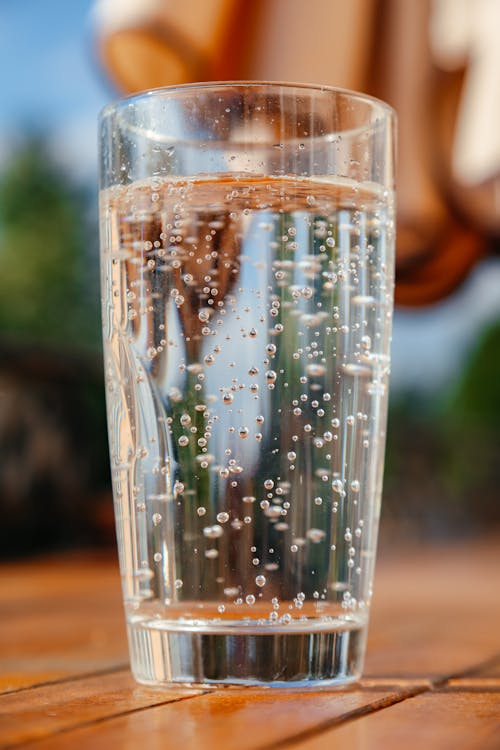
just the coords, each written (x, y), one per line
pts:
(432, 673)
(434, 721)
(246, 719)
(59, 617)
(42, 712)
(434, 610)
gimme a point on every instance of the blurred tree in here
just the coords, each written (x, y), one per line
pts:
(470, 419)
(476, 399)
(442, 467)
(54, 475)
(48, 287)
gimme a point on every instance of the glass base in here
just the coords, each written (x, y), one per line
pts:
(322, 658)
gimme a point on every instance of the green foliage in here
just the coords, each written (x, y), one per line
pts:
(49, 269)
(442, 467)
(476, 399)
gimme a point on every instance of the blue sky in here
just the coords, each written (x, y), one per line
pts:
(52, 82)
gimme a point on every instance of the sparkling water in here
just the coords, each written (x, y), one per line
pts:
(246, 330)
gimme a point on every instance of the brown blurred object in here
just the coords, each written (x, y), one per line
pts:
(144, 44)
(378, 46)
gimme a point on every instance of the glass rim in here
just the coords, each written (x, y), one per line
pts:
(376, 104)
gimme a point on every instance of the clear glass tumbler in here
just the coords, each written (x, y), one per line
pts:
(247, 274)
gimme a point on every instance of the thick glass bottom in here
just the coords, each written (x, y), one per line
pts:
(163, 653)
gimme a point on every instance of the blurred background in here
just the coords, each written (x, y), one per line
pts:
(436, 61)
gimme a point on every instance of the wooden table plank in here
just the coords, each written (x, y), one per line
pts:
(444, 720)
(60, 617)
(435, 618)
(435, 610)
(247, 719)
(44, 711)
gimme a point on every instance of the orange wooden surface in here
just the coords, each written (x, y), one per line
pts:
(432, 676)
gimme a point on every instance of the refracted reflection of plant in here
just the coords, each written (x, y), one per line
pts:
(194, 286)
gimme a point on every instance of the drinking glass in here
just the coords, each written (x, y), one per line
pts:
(247, 274)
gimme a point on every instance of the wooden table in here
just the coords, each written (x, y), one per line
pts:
(432, 677)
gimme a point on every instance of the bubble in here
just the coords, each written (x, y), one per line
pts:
(362, 299)
(350, 420)
(337, 485)
(269, 484)
(271, 376)
(211, 554)
(330, 242)
(250, 599)
(294, 548)
(315, 370)
(178, 583)
(209, 359)
(281, 526)
(243, 432)
(156, 519)
(274, 511)
(248, 499)
(228, 398)
(291, 455)
(201, 511)
(213, 532)
(157, 557)
(271, 566)
(252, 333)
(253, 371)
(222, 517)
(260, 581)
(204, 315)
(315, 535)
(355, 485)
(339, 586)
(318, 500)
(359, 370)
(271, 350)
(183, 441)
(327, 436)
